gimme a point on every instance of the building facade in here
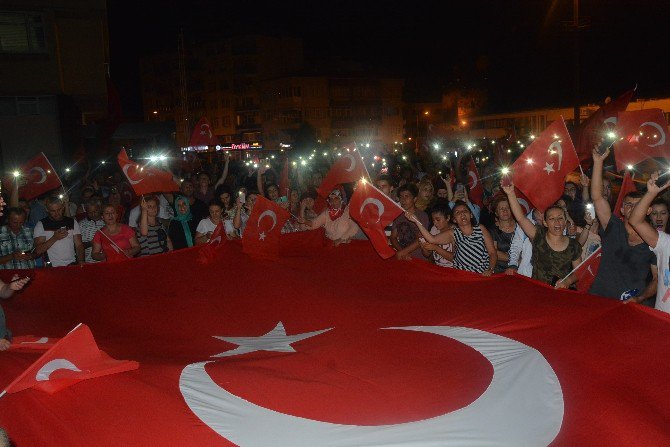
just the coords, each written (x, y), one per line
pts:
(53, 61)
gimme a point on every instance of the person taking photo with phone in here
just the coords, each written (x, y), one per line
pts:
(59, 236)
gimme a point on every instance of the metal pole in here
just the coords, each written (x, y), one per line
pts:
(575, 20)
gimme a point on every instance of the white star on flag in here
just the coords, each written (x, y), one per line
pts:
(549, 167)
(275, 340)
(261, 236)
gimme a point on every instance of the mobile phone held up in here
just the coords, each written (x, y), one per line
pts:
(663, 179)
(242, 197)
(608, 140)
(506, 180)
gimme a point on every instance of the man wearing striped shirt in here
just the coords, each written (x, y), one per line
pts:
(16, 242)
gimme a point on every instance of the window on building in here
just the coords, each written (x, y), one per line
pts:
(21, 32)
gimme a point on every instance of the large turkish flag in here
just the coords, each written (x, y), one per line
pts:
(40, 177)
(339, 349)
(540, 171)
(261, 234)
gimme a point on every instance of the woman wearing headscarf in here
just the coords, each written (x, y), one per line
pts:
(182, 226)
(339, 226)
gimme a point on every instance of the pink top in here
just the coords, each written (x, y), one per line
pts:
(122, 238)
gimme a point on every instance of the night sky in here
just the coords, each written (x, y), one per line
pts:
(520, 50)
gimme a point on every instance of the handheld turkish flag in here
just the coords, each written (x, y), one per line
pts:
(586, 271)
(73, 358)
(596, 126)
(32, 343)
(374, 211)
(642, 134)
(145, 179)
(261, 235)
(216, 240)
(476, 193)
(202, 134)
(627, 186)
(40, 177)
(283, 179)
(540, 171)
(113, 252)
(349, 168)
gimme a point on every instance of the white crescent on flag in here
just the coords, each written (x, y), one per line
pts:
(660, 130)
(272, 215)
(474, 179)
(353, 163)
(42, 340)
(556, 146)
(507, 413)
(375, 202)
(40, 171)
(45, 371)
(611, 120)
(125, 171)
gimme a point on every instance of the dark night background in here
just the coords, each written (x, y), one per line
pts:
(520, 50)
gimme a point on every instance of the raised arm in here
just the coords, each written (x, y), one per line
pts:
(225, 172)
(600, 203)
(526, 225)
(638, 216)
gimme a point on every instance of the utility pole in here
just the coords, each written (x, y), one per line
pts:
(576, 70)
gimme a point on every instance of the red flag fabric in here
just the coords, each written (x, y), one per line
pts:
(373, 211)
(592, 130)
(476, 193)
(366, 349)
(642, 134)
(540, 171)
(113, 252)
(523, 200)
(202, 134)
(73, 358)
(216, 241)
(284, 184)
(347, 169)
(33, 343)
(261, 235)
(146, 179)
(627, 186)
(586, 271)
(40, 177)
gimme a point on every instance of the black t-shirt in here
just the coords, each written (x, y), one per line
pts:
(622, 267)
(53, 225)
(177, 236)
(199, 210)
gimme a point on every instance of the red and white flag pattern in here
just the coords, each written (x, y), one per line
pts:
(595, 127)
(373, 211)
(586, 271)
(202, 134)
(32, 343)
(261, 234)
(540, 171)
(476, 193)
(216, 241)
(347, 169)
(642, 134)
(146, 179)
(73, 358)
(39, 175)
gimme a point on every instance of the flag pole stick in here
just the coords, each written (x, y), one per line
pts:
(114, 244)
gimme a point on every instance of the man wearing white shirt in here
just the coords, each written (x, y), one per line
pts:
(59, 236)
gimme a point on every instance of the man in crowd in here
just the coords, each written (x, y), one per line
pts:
(199, 209)
(90, 225)
(59, 236)
(16, 242)
(626, 259)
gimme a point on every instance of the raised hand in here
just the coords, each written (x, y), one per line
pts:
(508, 189)
(17, 284)
(597, 156)
(652, 187)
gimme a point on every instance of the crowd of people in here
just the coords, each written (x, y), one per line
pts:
(98, 218)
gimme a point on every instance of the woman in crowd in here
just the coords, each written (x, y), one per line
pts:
(659, 215)
(113, 236)
(224, 196)
(294, 201)
(555, 255)
(151, 234)
(114, 199)
(339, 226)
(475, 251)
(203, 188)
(207, 225)
(182, 226)
(441, 254)
(502, 231)
(426, 194)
